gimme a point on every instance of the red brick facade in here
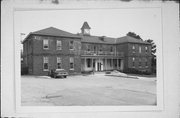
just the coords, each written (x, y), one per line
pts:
(90, 53)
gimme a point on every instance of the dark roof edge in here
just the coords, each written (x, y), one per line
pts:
(48, 35)
(135, 42)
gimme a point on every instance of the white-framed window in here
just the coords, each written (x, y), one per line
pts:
(111, 49)
(146, 48)
(140, 63)
(133, 47)
(59, 64)
(59, 45)
(45, 63)
(71, 45)
(45, 44)
(71, 62)
(146, 63)
(139, 49)
(133, 62)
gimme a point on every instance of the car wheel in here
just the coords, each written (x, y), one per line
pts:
(64, 76)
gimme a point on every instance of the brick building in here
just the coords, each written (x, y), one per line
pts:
(52, 48)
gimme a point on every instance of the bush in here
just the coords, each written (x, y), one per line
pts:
(135, 71)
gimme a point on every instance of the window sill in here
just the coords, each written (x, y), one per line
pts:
(71, 69)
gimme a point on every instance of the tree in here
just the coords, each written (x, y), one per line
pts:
(153, 51)
(134, 35)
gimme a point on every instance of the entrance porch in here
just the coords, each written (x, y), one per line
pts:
(101, 64)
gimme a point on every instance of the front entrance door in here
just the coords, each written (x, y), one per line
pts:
(99, 66)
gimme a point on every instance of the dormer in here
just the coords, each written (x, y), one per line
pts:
(85, 29)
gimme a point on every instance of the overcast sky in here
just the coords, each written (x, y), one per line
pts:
(145, 22)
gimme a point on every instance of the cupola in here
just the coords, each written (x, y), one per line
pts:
(85, 29)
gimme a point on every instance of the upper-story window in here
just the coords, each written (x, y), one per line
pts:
(71, 45)
(45, 44)
(94, 48)
(133, 48)
(71, 59)
(45, 63)
(100, 48)
(146, 48)
(59, 63)
(88, 48)
(59, 45)
(111, 49)
(140, 49)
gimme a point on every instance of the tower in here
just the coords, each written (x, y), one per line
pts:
(85, 29)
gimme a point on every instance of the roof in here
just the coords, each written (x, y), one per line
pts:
(129, 39)
(85, 26)
(51, 31)
(98, 39)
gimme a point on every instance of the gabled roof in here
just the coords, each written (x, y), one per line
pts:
(51, 31)
(85, 26)
(98, 39)
(129, 39)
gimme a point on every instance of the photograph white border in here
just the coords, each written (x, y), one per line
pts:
(28, 109)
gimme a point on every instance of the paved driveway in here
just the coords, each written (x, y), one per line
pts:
(88, 90)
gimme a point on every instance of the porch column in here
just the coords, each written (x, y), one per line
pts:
(111, 63)
(117, 63)
(85, 64)
(105, 63)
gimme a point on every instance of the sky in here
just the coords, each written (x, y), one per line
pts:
(145, 22)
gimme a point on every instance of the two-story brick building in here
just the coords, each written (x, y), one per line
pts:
(52, 48)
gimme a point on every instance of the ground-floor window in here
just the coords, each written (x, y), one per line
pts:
(45, 63)
(133, 62)
(71, 59)
(59, 63)
(88, 63)
(140, 63)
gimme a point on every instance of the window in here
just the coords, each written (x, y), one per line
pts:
(94, 48)
(100, 48)
(88, 48)
(146, 63)
(71, 59)
(139, 62)
(45, 63)
(133, 63)
(139, 49)
(59, 63)
(71, 45)
(133, 47)
(111, 49)
(45, 44)
(59, 45)
(146, 48)
(88, 63)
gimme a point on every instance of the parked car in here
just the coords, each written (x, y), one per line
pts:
(58, 73)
